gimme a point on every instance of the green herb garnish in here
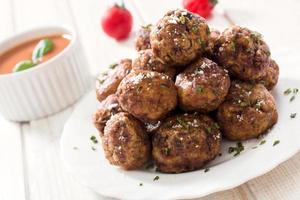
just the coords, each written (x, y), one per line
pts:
(42, 48)
(182, 123)
(23, 65)
(199, 89)
(287, 91)
(194, 29)
(206, 170)
(141, 184)
(94, 139)
(292, 98)
(293, 115)
(113, 65)
(147, 26)
(237, 149)
(208, 130)
(182, 19)
(276, 142)
(156, 178)
(262, 142)
(93, 148)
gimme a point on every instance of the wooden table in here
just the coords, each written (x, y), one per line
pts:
(30, 162)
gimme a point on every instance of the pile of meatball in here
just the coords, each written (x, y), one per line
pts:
(188, 87)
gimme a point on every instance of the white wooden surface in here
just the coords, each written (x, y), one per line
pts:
(30, 163)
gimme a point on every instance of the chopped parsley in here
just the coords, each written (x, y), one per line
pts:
(293, 115)
(237, 149)
(194, 29)
(148, 26)
(101, 81)
(206, 170)
(113, 65)
(207, 30)
(276, 142)
(208, 130)
(182, 123)
(93, 148)
(232, 46)
(287, 91)
(166, 151)
(202, 43)
(292, 98)
(156, 178)
(262, 142)
(199, 89)
(182, 19)
(216, 125)
(94, 139)
(255, 36)
(141, 184)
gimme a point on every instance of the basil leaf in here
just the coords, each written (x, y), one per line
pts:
(23, 65)
(43, 47)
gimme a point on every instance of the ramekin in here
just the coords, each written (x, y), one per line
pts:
(49, 87)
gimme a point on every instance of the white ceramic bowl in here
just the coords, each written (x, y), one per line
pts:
(47, 88)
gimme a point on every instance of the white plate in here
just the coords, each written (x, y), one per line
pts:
(226, 171)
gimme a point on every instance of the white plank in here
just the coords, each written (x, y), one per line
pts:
(47, 178)
(11, 168)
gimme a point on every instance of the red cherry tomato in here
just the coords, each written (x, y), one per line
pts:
(117, 22)
(200, 7)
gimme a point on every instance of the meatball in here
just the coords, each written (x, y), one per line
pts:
(179, 37)
(202, 86)
(142, 41)
(147, 95)
(248, 111)
(185, 143)
(270, 78)
(125, 142)
(109, 86)
(242, 52)
(214, 35)
(146, 60)
(107, 108)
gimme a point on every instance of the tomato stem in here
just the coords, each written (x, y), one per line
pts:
(121, 5)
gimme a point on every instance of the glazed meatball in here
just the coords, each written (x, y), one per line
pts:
(270, 78)
(185, 143)
(109, 86)
(125, 142)
(242, 52)
(248, 111)
(107, 108)
(202, 86)
(214, 35)
(179, 37)
(147, 95)
(146, 60)
(142, 41)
